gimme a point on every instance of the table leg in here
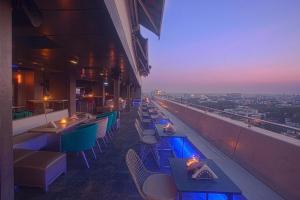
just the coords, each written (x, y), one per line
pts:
(182, 148)
(180, 195)
(206, 196)
(229, 196)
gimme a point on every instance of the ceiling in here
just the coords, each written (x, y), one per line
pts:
(77, 31)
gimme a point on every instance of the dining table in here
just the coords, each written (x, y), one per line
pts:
(55, 130)
(61, 125)
(164, 136)
(186, 184)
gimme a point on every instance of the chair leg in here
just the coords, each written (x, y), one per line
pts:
(86, 161)
(94, 153)
(142, 152)
(99, 146)
(103, 139)
(107, 138)
(109, 132)
(155, 155)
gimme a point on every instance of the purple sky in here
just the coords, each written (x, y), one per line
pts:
(227, 46)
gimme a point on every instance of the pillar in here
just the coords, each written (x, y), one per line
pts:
(116, 93)
(137, 92)
(103, 94)
(72, 92)
(6, 147)
(128, 97)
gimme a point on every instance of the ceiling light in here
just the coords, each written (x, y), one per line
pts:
(75, 62)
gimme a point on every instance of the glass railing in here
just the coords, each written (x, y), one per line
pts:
(283, 129)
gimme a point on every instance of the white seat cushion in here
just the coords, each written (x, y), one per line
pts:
(160, 187)
(149, 139)
(148, 132)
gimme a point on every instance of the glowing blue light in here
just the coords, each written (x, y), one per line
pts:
(184, 148)
(163, 121)
(14, 66)
(202, 196)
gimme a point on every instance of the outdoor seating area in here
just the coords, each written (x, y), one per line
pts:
(107, 176)
(136, 162)
(169, 150)
(40, 158)
(113, 165)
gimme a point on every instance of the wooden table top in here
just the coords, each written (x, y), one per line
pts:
(60, 126)
(161, 133)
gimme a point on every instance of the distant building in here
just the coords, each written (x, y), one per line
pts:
(246, 111)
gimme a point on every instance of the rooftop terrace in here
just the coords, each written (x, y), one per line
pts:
(109, 178)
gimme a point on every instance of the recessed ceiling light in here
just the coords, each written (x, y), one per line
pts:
(75, 62)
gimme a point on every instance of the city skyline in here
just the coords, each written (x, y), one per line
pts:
(220, 47)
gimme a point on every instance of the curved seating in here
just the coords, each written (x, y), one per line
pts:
(81, 139)
(112, 121)
(148, 144)
(101, 130)
(151, 186)
(144, 131)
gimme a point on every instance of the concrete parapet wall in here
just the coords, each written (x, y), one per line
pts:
(271, 157)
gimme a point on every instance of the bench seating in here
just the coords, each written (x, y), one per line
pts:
(38, 168)
(19, 154)
(21, 126)
(30, 141)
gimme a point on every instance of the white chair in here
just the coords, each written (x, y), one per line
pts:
(145, 131)
(150, 185)
(101, 131)
(146, 121)
(148, 144)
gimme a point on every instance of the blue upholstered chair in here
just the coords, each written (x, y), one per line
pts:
(81, 139)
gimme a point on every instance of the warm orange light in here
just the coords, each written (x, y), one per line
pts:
(63, 121)
(192, 161)
(75, 62)
(167, 126)
(46, 98)
(90, 95)
(19, 78)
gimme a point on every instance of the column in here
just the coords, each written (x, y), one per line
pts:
(6, 148)
(116, 93)
(128, 97)
(103, 94)
(72, 92)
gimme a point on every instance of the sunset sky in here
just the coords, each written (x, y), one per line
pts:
(227, 46)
